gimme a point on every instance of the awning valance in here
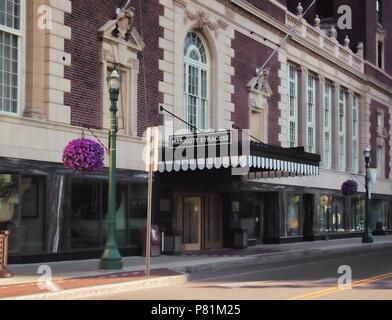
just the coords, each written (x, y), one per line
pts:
(257, 157)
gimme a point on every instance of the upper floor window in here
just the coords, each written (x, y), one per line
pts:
(196, 81)
(380, 54)
(10, 54)
(327, 125)
(379, 11)
(342, 131)
(293, 105)
(310, 123)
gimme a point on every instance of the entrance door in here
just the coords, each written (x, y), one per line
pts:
(191, 238)
(213, 222)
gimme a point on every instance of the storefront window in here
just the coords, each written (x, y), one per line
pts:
(337, 214)
(331, 214)
(85, 215)
(293, 217)
(138, 212)
(357, 219)
(121, 213)
(379, 214)
(325, 210)
(22, 212)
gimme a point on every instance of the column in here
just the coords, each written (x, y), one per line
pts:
(320, 117)
(302, 106)
(35, 63)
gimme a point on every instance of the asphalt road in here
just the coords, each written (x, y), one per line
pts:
(305, 279)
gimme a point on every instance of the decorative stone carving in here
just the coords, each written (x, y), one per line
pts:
(124, 24)
(122, 31)
(300, 9)
(259, 89)
(346, 41)
(203, 19)
(360, 49)
(333, 33)
(317, 22)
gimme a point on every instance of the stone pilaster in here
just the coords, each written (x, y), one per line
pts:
(302, 106)
(320, 117)
(349, 131)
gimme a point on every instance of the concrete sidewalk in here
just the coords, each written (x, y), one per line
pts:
(77, 279)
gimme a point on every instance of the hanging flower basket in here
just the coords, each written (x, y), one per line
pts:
(349, 187)
(83, 155)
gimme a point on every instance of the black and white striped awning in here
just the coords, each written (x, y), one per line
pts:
(262, 158)
(254, 163)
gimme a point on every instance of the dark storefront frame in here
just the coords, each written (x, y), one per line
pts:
(57, 247)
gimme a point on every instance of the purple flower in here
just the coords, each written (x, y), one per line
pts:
(349, 187)
(84, 155)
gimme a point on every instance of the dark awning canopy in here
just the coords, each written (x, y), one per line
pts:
(259, 158)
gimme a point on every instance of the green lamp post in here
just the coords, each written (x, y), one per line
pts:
(367, 236)
(111, 258)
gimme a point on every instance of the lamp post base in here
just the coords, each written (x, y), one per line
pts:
(110, 264)
(367, 238)
(111, 260)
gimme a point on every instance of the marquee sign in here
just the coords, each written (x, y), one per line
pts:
(200, 139)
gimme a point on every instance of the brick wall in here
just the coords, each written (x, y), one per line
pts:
(374, 107)
(86, 71)
(270, 9)
(248, 55)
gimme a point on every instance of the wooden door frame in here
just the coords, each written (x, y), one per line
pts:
(193, 246)
(204, 209)
(207, 215)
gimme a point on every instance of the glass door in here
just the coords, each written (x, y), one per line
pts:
(191, 225)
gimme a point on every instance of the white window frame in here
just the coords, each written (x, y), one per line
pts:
(200, 67)
(310, 107)
(292, 118)
(327, 102)
(21, 34)
(355, 128)
(341, 118)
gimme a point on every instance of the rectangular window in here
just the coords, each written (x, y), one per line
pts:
(355, 134)
(380, 162)
(23, 204)
(327, 125)
(342, 130)
(310, 121)
(293, 105)
(379, 11)
(357, 219)
(332, 210)
(10, 55)
(293, 227)
(380, 55)
(379, 209)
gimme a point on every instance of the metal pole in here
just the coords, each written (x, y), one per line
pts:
(111, 258)
(367, 236)
(148, 242)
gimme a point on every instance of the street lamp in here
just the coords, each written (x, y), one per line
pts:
(367, 236)
(111, 258)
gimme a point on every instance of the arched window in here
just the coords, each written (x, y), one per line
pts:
(196, 81)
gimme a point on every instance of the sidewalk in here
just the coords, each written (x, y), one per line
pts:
(77, 279)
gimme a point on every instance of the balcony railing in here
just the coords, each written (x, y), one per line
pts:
(328, 44)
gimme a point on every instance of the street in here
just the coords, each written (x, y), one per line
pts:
(305, 279)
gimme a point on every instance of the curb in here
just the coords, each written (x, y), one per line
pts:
(279, 257)
(106, 289)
